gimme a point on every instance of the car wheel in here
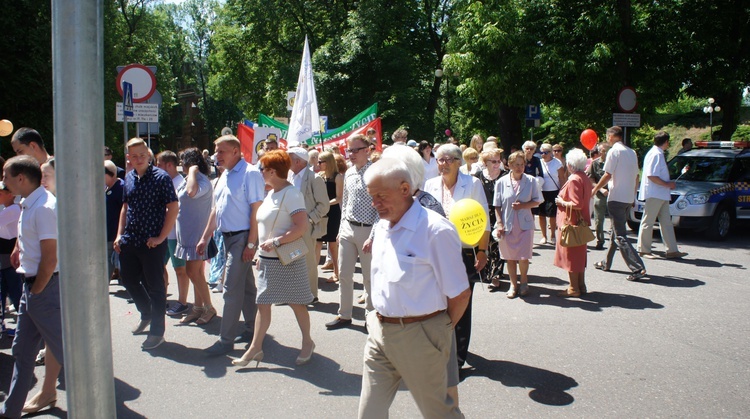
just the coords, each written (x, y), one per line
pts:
(721, 224)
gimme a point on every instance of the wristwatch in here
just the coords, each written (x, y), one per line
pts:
(251, 246)
(276, 242)
(482, 250)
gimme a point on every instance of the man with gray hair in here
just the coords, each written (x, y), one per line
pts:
(620, 173)
(419, 292)
(314, 191)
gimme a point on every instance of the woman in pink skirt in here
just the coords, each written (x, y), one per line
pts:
(515, 195)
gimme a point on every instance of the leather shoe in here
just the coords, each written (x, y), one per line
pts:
(675, 255)
(245, 337)
(219, 348)
(338, 323)
(647, 255)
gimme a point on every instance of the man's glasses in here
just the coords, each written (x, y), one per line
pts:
(355, 150)
(446, 160)
(544, 153)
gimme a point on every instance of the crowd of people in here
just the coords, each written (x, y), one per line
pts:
(387, 211)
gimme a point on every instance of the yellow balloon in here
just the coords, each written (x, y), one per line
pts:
(470, 220)
(6, 127)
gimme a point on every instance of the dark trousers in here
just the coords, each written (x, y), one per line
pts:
(463, 327)
(141, 270)
(618, 213)
(11, 286)
(38, 318)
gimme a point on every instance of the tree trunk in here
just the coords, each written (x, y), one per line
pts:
(730, 103)
(511, 129)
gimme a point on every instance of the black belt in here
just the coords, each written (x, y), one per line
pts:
(30, 279)
(233, 233)
(354, 223)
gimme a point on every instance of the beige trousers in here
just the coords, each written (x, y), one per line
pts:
(351, 241)
(656, 208)
(312, 262)
(415, 352)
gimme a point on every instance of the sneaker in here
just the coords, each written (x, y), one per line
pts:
(152, 342)
(141, 327)
(543, 240)
(178, 309)
(217, 288)
(511, 293)
(40, 357)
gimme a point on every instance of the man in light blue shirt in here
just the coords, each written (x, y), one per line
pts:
(238, 194)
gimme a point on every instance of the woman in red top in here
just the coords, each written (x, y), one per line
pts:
(574, 197)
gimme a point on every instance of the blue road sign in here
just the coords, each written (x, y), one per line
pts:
(533, 112)
(127, 98)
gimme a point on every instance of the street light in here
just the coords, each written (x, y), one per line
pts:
(710, 109)
(439, 74)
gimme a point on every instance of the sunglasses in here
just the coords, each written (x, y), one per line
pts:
(355, 150)
(544, 153)
(446, 160)
(494, 161)
(557, 151)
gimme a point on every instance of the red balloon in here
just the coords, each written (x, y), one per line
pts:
(589, 138)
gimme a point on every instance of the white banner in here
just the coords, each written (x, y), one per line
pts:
(305, 120)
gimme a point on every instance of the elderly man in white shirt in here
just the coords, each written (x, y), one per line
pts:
(419, 292)
(655, 187)
(620, 172)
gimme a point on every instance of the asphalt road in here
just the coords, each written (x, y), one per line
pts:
(673, 345)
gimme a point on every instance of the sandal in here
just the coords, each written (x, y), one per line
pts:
(332, 279)
(600, 266)
(636, 275)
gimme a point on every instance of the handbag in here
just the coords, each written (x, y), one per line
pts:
(573, 235)
(294, 250)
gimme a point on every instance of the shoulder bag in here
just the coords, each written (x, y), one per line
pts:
(573, 235)
(294, 250)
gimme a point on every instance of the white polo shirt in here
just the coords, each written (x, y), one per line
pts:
(622, 165)
(38, 222)
(416, 265)
(654, 165)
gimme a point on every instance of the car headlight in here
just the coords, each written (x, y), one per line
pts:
(697, 198)
(681, 205)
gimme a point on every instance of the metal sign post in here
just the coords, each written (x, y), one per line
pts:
(78, 104)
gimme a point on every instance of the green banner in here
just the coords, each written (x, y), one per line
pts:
(362, 118)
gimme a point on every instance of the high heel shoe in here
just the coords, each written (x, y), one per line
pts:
(304, 360)
(244, 361)
(35, 404)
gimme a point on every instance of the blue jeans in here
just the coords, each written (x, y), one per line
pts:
(141, 270)
(219, 261)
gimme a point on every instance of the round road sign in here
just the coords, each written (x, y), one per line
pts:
(627, 100)
(142, 79)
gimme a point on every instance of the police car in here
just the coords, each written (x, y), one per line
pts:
(713, 188)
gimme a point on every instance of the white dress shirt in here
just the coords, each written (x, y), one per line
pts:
(417, 264)
(654, 165)
(38, 222)
(622, 165)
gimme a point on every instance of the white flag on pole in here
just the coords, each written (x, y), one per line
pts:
(305, 120)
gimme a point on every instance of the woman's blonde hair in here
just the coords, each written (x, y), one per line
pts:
(331, 167)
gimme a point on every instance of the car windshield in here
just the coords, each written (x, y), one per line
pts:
(700, 168)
